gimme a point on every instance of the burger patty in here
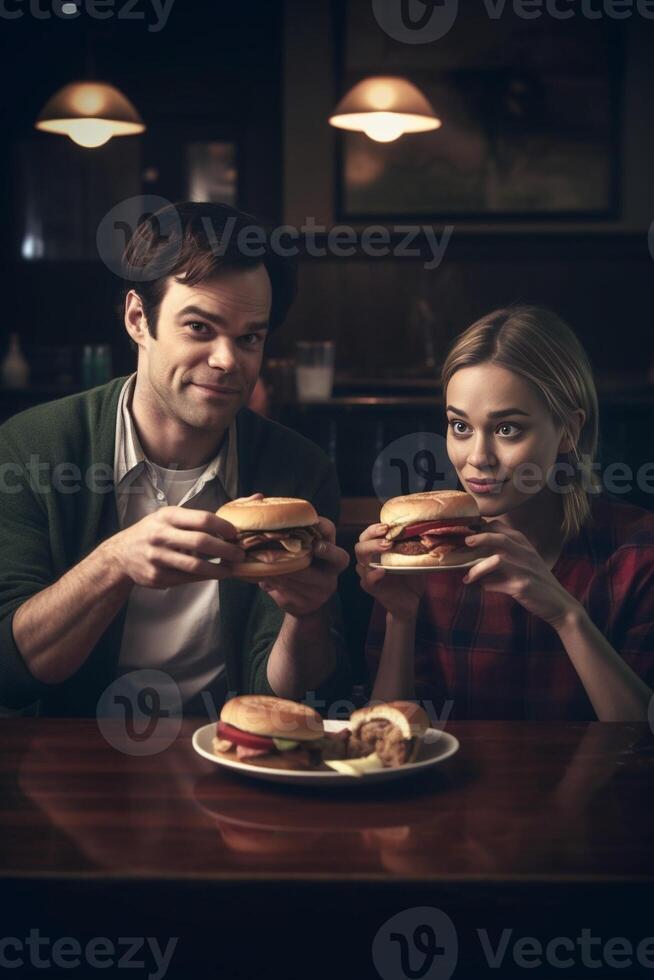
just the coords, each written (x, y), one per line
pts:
(286, 538)
(426, 545)
(411, 547)
(272, 546)
(439, 537)
(333, 745)
(436, 528)
(300, 758)
(434, 539)
(378, 735)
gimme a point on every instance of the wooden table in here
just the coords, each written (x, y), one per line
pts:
(542, 829)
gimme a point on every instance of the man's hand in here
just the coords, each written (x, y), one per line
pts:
(172, 547)
(303, 593)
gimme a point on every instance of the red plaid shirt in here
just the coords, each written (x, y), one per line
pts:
(482, 655)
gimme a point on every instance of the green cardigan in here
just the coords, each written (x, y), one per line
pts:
(44, 534)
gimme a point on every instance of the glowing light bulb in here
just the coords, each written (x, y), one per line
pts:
(384, 127)
(90, 132)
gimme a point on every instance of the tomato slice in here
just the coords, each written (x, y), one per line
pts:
(247, 739)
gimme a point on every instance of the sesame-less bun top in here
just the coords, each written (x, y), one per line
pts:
(268, 514)
(409, 717)
(435, 506)
(262, 714)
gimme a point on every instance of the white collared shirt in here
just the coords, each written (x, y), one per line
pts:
(174, 630)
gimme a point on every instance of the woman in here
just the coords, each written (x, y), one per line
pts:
(558, 623)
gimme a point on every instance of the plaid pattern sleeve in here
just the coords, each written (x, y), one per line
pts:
(482, 655)
(620, 600)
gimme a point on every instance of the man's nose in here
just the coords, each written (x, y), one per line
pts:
(223, 355)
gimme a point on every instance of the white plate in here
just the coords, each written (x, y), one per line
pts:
(437, 746)
(413, 569)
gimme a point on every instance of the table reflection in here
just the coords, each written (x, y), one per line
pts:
(176, 812)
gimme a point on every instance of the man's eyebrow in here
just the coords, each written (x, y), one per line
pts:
(491, 415)
(216, 317)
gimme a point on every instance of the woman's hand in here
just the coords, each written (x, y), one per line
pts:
(399, 594)
(516, 568)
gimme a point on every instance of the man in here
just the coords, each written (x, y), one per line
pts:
(107, 566)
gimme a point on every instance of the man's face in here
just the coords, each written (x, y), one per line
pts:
(206, 358)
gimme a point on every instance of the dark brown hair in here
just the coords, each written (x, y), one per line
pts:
(193, 242)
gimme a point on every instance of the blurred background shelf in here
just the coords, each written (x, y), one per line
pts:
(353, 429)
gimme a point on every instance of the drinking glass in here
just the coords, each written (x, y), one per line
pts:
(314, 369)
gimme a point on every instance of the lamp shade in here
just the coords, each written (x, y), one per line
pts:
(90, 113)
(384, 107)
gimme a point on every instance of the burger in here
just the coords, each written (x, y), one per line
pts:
(430, 529)
(394, 730)
(277, 534)
(272, 732)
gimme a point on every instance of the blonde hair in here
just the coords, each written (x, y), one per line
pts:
(539, 346)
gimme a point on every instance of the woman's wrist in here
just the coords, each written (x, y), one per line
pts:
(395, 674)
(570, 618)
(401, 619)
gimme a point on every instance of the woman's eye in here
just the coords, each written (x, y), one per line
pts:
(501, 429)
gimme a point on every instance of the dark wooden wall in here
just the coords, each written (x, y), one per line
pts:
(602, 285)
(213, 72)
(217, 70)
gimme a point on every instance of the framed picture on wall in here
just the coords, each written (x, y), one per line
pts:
(530, 114)
(191, 160)
(211, 172)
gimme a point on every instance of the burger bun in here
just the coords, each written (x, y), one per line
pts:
(262, 714)
(264, 569)
(436, 505)
(268, 514)
(410, 717)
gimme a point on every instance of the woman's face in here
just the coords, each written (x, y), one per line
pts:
(500, 432)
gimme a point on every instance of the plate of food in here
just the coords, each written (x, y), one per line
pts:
(427, 532)
(283, 741)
